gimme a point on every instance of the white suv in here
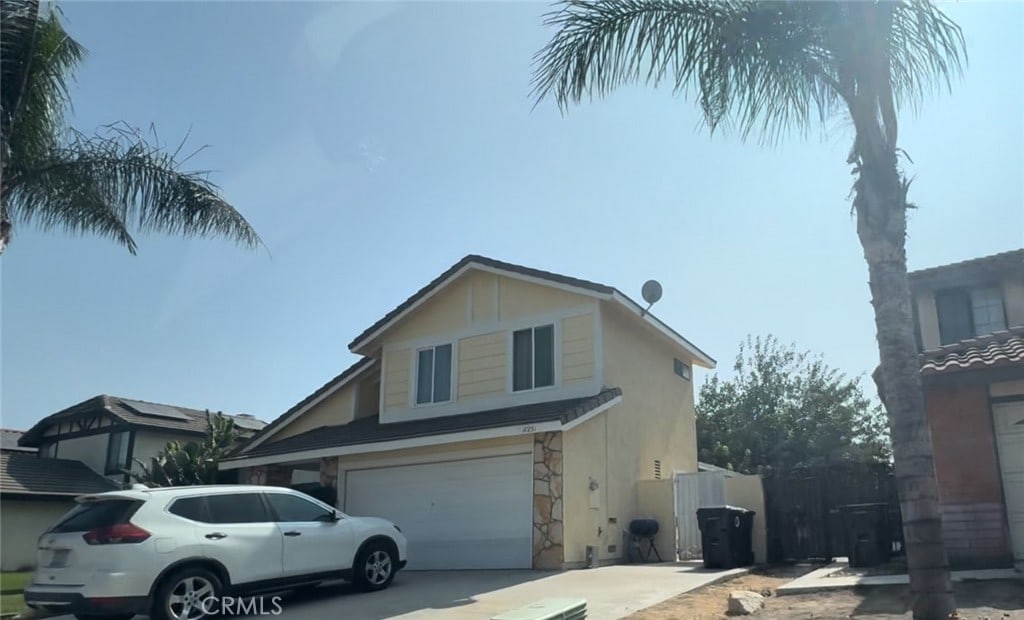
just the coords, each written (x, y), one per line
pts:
(163, 552)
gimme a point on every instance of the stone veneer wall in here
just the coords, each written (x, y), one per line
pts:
(329, 472)
(548, 551)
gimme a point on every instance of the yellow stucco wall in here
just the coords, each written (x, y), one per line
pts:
(22, 522)
(480, 297)
(482, 365)
(655, 420)
(334, 410)
(578, 348)
(656, 499)
(748, 492)
(368, 398)
(397, 378)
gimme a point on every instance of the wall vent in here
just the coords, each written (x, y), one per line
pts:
(657, 469)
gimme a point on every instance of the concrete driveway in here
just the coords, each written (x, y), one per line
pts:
(611, 592)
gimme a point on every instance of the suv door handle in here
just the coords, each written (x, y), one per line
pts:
(293, 533)
(216, 535)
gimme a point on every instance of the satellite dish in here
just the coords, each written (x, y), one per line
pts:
(651, 292)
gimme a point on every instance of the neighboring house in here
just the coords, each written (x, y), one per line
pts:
(83, 449)
(108, 433)
(9, 441)
(970, 318)
(35, 492)
(502, 416)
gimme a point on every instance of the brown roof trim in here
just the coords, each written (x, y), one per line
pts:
(369, 430)
(349, 373)
(954, 274)
(997, 350)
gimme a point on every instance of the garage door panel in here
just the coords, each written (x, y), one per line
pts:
(457, 514)
(1009, 423)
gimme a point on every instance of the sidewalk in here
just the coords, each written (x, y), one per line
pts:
(820, 580)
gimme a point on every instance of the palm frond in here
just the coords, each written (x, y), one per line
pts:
(766, 65)
(116, 181)
(37, 61)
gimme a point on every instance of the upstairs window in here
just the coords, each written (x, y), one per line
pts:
(533, 358)
(966, 313)
(117, 453)
(434, 374)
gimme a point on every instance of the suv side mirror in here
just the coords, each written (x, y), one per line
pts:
(335, 515)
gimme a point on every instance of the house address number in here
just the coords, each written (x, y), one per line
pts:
(529, 428)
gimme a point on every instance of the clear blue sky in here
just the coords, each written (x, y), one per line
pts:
(374, 145)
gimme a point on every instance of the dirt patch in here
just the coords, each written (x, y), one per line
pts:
(977, 600)
(711, 602)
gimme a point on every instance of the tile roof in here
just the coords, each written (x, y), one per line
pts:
(345, 375)
(9, 440)
(968, 270)
(554, 278)
(996, 350)
(24, 473)
(138, 413)
(370, 430)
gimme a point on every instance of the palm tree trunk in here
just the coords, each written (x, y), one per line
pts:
(881, 226)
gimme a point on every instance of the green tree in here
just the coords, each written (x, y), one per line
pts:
(190, 463)
(108, 183)
(785, 408)
(774, 66)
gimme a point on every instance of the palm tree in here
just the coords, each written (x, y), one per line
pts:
(775, 66)
(107, 183)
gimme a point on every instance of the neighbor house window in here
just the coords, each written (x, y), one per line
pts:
(966, 313)
(533, 358)
(434, 374)
(987, 310)
(117, 453)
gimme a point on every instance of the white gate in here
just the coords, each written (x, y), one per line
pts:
(695, 491)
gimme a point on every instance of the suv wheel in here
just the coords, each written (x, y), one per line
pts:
(375, 567)
(187, 594)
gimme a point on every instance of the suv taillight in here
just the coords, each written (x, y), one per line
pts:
(116, 534)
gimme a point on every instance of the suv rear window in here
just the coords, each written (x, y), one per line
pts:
(189, 508)
(91, 515)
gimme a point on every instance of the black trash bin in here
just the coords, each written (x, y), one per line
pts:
(726, 535)
(867, 532)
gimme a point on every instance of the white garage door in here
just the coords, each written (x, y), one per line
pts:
(467, 514)
(1009, 418)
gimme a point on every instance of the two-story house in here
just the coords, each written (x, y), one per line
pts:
(85, 448)
(502, 416)
(970, 319)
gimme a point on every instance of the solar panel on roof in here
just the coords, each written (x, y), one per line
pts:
(155, 410)
(246, 422)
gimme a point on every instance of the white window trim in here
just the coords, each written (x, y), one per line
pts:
(415, 376)
(556, 352)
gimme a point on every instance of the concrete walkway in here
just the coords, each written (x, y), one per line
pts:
(611, 592)
(821, 580)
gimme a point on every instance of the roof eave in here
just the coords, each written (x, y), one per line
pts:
(241, 461)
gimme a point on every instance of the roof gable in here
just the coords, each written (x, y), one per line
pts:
(537, 276)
